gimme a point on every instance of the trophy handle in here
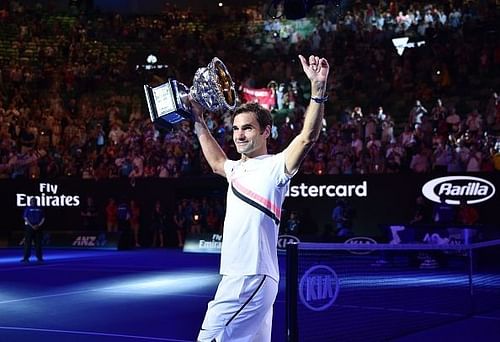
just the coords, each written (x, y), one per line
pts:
(213, 87)
(224, 82)
(183, 94)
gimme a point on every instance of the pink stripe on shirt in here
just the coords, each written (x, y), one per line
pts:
(258, 198)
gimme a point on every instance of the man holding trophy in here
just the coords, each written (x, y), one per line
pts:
(242, 308)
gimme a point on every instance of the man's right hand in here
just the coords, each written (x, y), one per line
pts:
(197, 110)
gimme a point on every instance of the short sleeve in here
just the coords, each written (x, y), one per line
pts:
(283, 177)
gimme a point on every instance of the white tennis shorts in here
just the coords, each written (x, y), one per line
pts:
(241, 311)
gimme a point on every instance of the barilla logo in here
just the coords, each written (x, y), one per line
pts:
(284, 240)
(456, 189)
(361, 240)
(319, 287)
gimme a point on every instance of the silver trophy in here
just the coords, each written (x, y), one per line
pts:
(212, 88)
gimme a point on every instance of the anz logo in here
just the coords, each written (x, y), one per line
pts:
(284, 240)
(90, 241)
(456, 189)
(319, 288)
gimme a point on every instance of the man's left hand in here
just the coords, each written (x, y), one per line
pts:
(315, 68)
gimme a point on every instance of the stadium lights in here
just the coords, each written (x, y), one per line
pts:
(151, 61)
(402, 43)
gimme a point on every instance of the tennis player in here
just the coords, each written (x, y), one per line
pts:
(242, 308)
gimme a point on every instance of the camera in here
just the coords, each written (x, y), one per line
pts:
(497, 145)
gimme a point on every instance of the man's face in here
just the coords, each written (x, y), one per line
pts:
(247, 135)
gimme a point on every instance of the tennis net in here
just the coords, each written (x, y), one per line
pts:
(373, 292)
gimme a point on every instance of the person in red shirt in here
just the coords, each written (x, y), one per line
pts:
(467, 214)
(135, 221)
(111, 216)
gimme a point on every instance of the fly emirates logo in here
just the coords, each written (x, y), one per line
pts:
(338, 190)
(48, 197)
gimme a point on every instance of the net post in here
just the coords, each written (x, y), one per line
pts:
(292, 270)
(471, 284)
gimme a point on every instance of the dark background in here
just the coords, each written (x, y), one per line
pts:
(390, 200)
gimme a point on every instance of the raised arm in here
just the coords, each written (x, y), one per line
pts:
(212, 151)
(316, 70)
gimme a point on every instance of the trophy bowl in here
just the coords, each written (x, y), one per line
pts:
(212, 88)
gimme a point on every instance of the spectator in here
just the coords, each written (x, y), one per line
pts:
(123, 215)
(180, 225)
(111, 216)
(416, 114)
(50, 98)
(158, 225)
(89, 215)
(135, 221)
(467, 214)
(420, 161)
(342, 219)
(292, 224)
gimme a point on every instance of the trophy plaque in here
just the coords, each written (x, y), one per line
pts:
(212, 88)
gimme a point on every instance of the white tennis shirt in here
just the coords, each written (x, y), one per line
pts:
(257, 189)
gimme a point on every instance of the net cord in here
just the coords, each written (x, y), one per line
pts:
(389, 246)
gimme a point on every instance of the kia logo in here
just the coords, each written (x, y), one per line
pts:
(457, 189)
(284, 240)
(319, 287)
(361, 240)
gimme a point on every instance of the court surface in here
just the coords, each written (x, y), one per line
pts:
(141, 295)
(81, 295)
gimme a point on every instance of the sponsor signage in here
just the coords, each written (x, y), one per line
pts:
(203, 243)
(212, 243)
(49, 196)
(360, 240)
(74, 239)
(375, 200)
(89, 240)
(319, 288)
(329, 190)
(456, 189)
(284, 240)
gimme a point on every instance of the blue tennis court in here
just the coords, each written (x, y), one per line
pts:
(79, 295)
(154, 295)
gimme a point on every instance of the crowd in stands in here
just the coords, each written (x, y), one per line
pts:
(72, 104)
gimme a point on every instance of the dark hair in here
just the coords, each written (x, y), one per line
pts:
(262, 115)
